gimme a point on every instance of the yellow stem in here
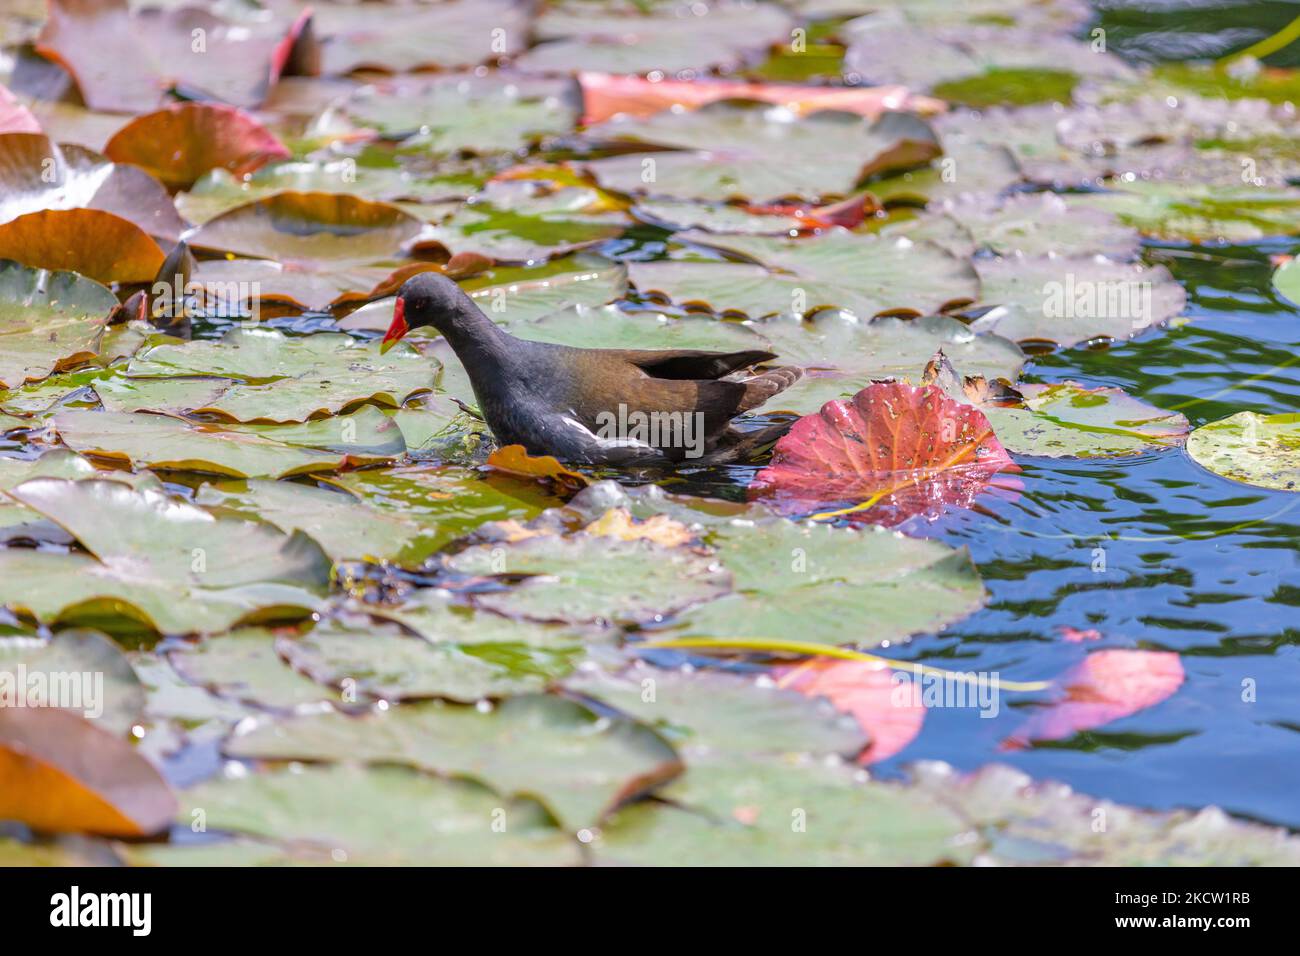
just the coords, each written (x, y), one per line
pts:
(841, 653)
(1278, 41)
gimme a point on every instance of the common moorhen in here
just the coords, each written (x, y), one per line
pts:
(597, 406)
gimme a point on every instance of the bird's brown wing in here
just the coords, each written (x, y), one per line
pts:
(678, 364)
(763, 386)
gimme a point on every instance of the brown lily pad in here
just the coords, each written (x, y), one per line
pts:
(91, 242)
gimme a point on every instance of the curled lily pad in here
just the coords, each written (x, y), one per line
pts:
(591, 578)
(1071, 420)
(1261, 450)
(724, 151)
(19, 522)
(867, 275)
(478, 114)
(1073, 300)
(316, 807)
(100, 45)
(157, 562)
(180, 143)
(834, 585)
(162, 441)
(48, 321)
(36, 174)
(286, 378)
(548, 748)
(91, 242)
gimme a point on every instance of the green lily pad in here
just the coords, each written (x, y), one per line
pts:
(160, 441)
(1073, 300)
(965, 169)
(455, 114)
(17, 521)
(244, 666)
(512, 295)
(590, 578)
(1198, 212)
(547, 748)
(1070, 420)
(1262, 450)
(1039, 225)
(609, 327)
(159, 563)
(291, 378)
(1286, 280)
(866, 275)
(410, 819)
(525, 221)
(786, 813)
(48, 321)
(80, 670)
(379, 660)
(723, 151)
(430, 613)
(841, 354)
(834, 585)
(711, 713)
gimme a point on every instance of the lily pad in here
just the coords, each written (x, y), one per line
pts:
(1073, 300)
(1198, 212)
(182, 142)
(379, 660)
(835, 585)
(48, 321)
(36, 174)
(1071, 420)
(1261, 450)
(160, 563)
(244, 666)
(866, 275)
(91, 242)
(17, 521)
(317, 806)
(1043, 224)
(547, 748)
(609, 327)
(290, 378)
(724, 151)
(592, 578)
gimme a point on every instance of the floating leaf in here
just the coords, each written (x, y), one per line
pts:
(100, 44)
(1197, 212)
(590, 578)
(60, 773)
(899, 449)
(182, 142)
(48, 321)
(244, 666)
(1070, 420)
(515, 461)
(430, 613)
(724, 151)
(157, 562)
(90, 242)
(866, 275)
(317, 806)
(580, 766)
(1262, 450)
(1105, 687)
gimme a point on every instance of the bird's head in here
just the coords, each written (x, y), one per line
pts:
(430, 298)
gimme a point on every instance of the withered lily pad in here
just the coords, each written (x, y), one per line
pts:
(90, 242)
(548, 748)
(156, 562)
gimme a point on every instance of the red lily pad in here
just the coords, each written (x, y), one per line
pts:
(180, 143)
(1106, 686)
(36, 174)
(127, 61)
(91, 242)
(898, 449)
(889, 713)
(14, 117)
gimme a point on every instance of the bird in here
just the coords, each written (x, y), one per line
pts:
(612, 407)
